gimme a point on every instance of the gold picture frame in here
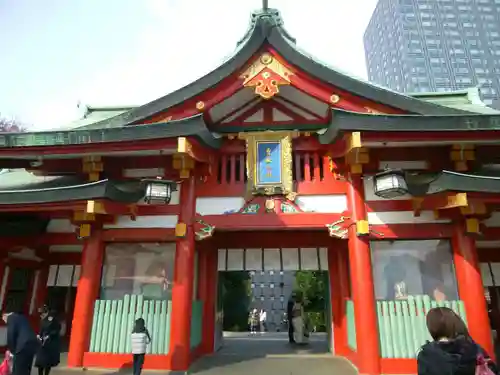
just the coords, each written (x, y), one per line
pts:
(280, 186)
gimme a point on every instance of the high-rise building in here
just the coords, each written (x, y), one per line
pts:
(435, 45)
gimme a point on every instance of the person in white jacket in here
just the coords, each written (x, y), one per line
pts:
(262, 321)
(140, 340)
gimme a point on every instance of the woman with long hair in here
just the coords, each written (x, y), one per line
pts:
(452, 350)
(140, 340)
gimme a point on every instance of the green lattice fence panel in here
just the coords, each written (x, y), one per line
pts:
(113, 322)
(401, 324)
(196, 323)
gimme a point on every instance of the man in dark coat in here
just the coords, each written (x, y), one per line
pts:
(21, 342)
(289, 316)
(49, 350)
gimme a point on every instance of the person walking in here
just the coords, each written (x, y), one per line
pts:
(21, 342)
(49, 350)
(289, 315)
(253, 320)
(140, 340)
(452, 351)
(262, 320)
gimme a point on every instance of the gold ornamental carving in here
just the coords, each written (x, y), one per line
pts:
(269, 163)
(266, 74)
(373, 111)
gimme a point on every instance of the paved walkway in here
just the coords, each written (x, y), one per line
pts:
(243, 354)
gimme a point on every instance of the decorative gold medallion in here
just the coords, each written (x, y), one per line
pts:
(200, 106)
(266, 74)
(334, 99)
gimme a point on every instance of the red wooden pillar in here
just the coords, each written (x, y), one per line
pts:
(86, 294)
(339, 293)
(363, 293)
(182, 293)
(470, 287)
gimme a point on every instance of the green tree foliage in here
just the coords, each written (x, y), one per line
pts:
(312, 288)
(235, 299)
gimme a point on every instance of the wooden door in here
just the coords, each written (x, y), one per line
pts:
(19, 290)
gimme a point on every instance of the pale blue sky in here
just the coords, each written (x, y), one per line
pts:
(55, 53)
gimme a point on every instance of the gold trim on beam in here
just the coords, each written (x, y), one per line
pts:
(356, 155)
(183, 145)
(183, 163)
(461, 154)
(472, 225)
(79, 216)
(474, 208)
(362, 228)
(93, 166)
(180, 230)
(455, 201)
(95, 207)
(84, 230)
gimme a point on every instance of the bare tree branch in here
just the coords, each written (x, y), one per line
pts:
(11, 126)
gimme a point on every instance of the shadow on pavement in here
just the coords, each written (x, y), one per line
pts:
(271, 352)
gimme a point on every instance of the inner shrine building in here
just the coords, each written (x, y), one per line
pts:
(273, 161)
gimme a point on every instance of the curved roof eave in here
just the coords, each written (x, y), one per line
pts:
(248, 46)
(289, 52)
(188, 127)
(66, 189)
(450, 181)
(267, 26)
(461, 122)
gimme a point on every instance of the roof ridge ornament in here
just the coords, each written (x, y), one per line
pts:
(266, 74)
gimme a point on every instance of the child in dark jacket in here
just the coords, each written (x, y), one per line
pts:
(452, 351)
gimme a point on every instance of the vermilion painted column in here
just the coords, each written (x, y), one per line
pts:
(339, 293)
(470, 287)
(86, 293)
(182, 292)
(362, 289)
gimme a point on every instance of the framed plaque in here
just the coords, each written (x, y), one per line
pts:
(269, 162)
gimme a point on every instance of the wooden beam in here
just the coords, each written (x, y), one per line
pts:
(193, 149)
(355, 154)
(444, 201)
(95, 207)
(461, 154)
(271, 221)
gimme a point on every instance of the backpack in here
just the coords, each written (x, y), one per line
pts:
(482, 367)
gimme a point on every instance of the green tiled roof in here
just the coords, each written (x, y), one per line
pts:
(467, 100)
(93, 115)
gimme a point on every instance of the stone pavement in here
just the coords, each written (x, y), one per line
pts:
(270, 353)
(243, 354)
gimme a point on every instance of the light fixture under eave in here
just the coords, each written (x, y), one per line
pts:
(159, 191)
(390, 184)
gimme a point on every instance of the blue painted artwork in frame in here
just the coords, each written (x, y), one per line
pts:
(269, 163)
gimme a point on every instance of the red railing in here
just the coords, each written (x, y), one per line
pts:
(311, 175)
